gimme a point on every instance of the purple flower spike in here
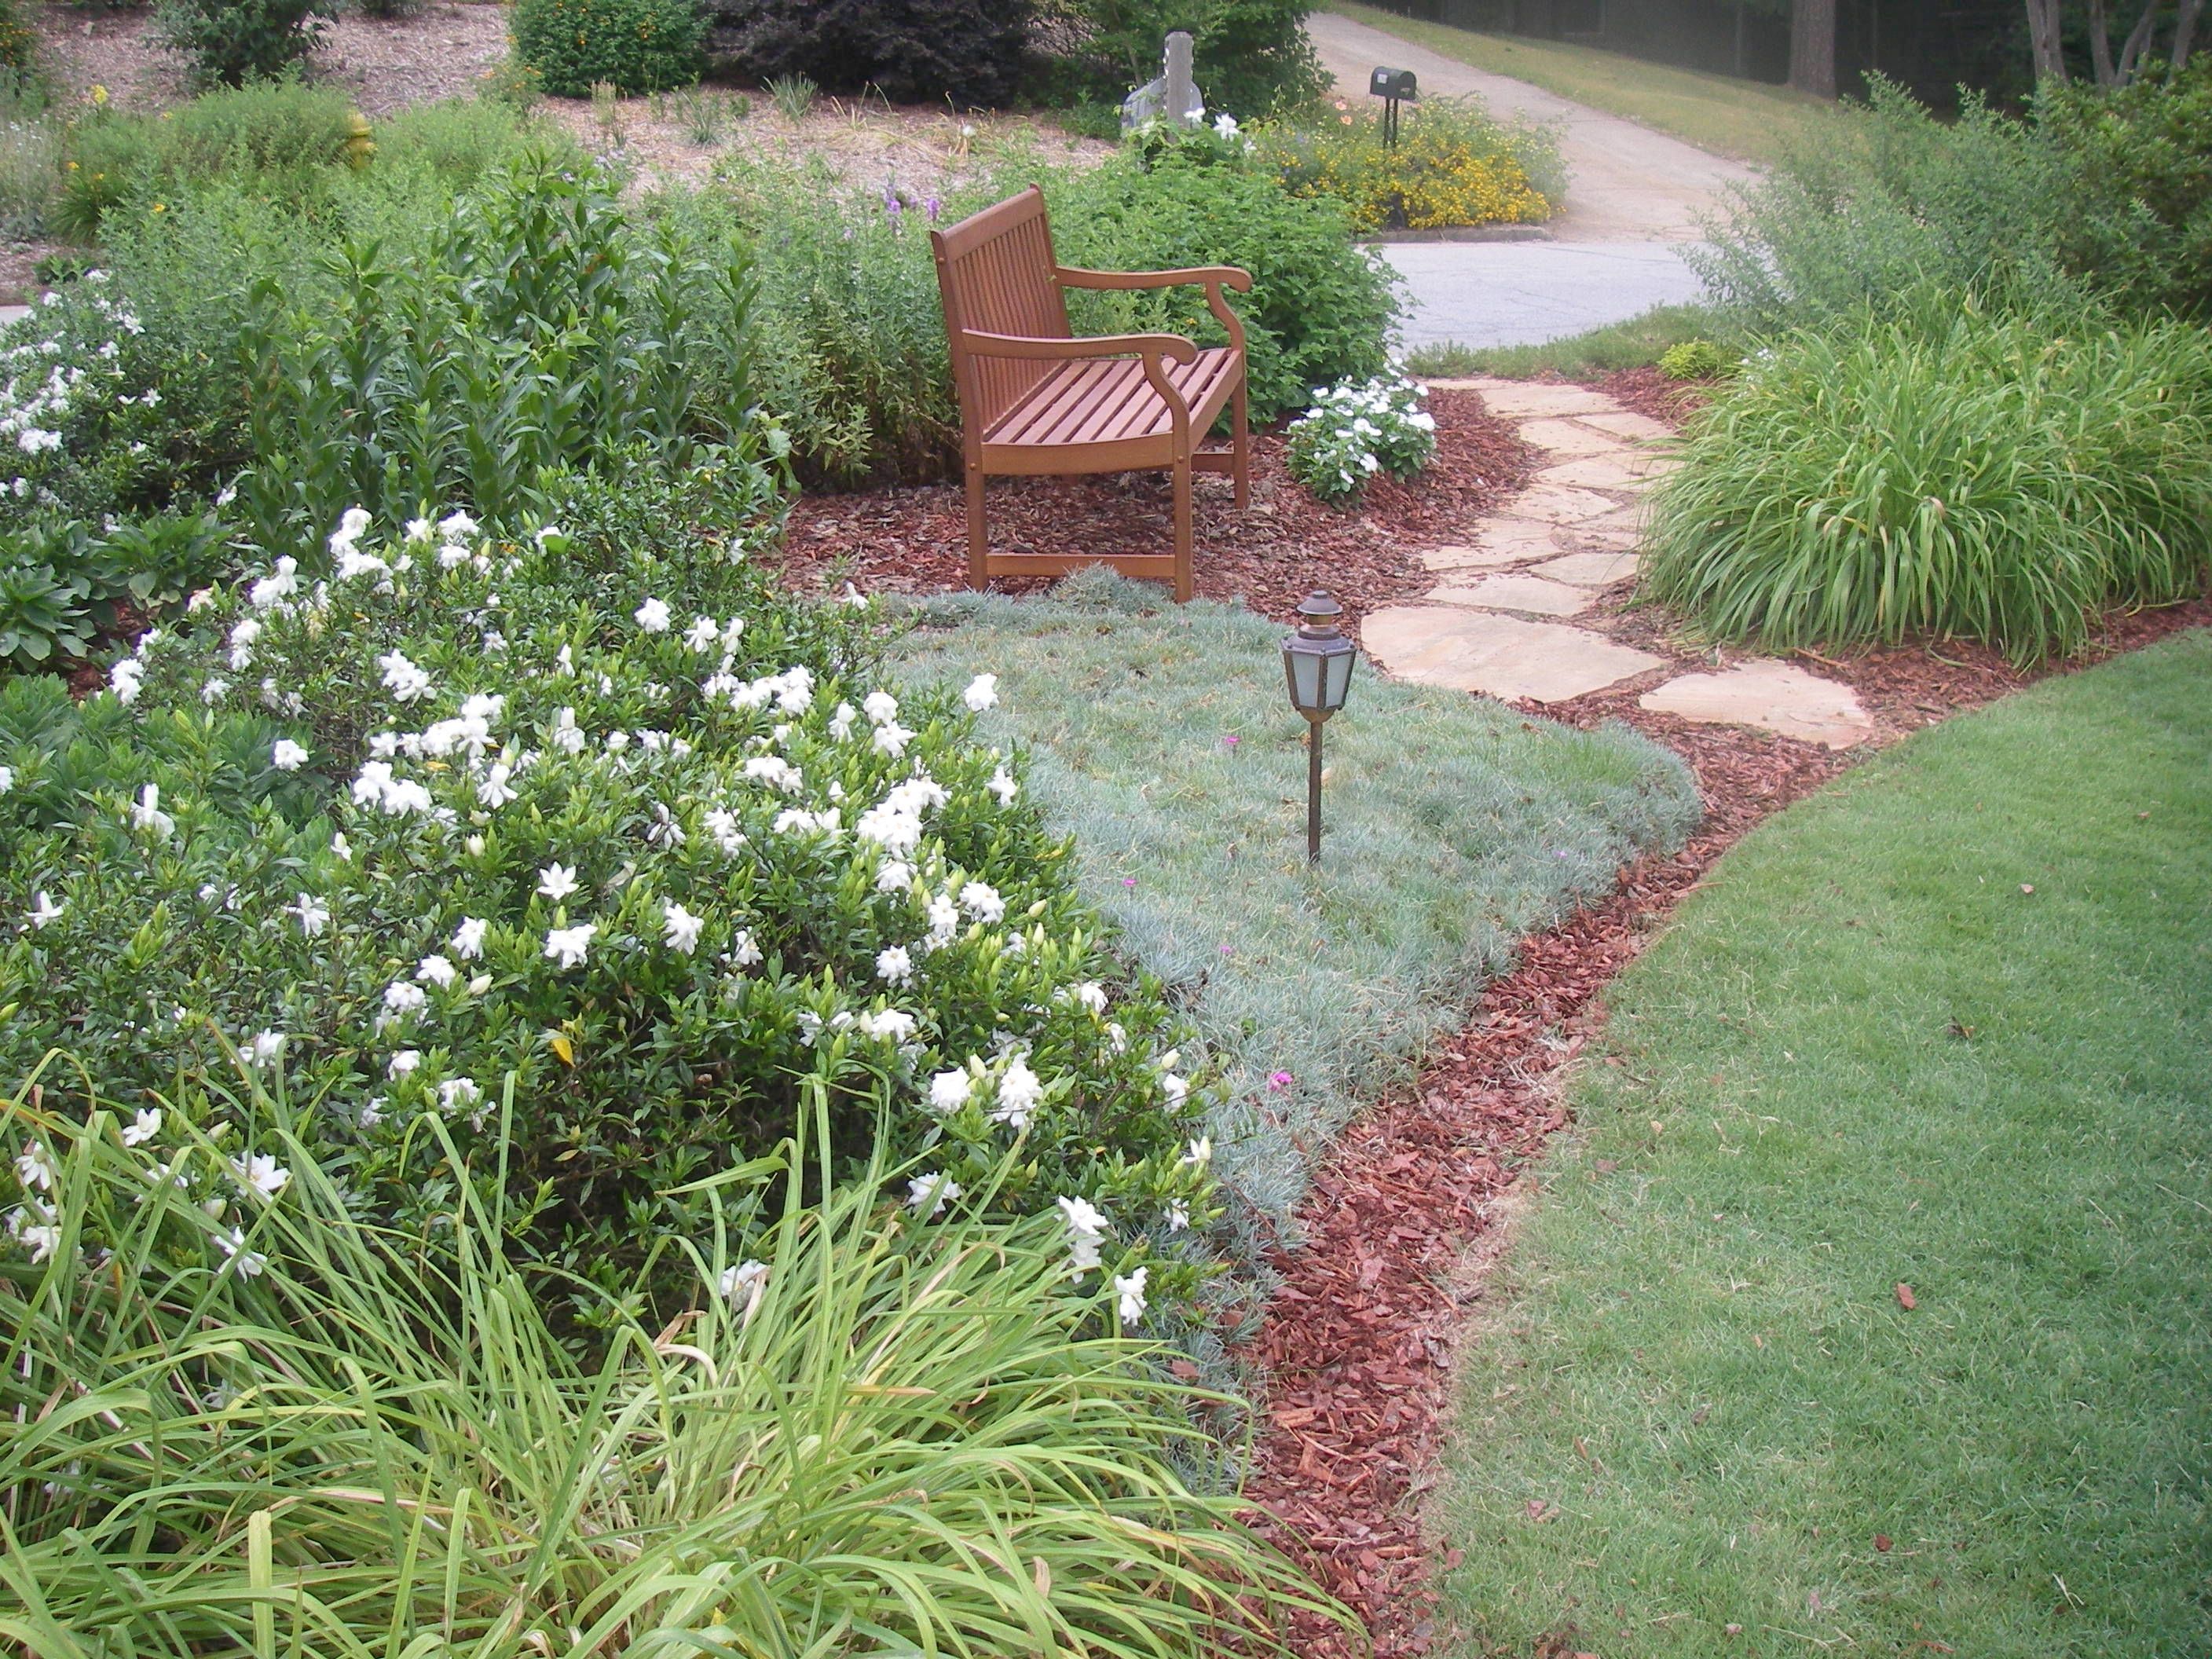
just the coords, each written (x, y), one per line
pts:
(935, 207)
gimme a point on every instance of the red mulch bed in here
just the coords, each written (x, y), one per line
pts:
(915, 540)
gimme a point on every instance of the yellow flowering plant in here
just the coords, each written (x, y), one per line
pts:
(1453, 164)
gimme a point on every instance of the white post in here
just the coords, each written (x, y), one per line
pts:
(1179, 91)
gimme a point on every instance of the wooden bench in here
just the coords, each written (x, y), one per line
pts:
(1034, 399)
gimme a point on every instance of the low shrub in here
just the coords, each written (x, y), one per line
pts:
(1958, 470)
(966, 53)
(1353, 432)
(635, 46)
(63, 585)
(30, 154)
(19, 41)
(1452, 164)
(1693, 360)
(231, 42)
(285, 1431)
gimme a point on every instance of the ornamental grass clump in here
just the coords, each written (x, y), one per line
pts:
(247, 1421)
(599, 832)
(1353, 432)
(1943, 470)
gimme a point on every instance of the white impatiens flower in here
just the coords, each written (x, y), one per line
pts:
(143, 1128)
(437, 971)
(43, 909)
(402, 1064)
(1003, 786)
(894, 963)
(266, 1049)
(653, 616)
(1087, 1227)
(288, 756)
(1129, 1295)
(981, 900)
(949, 1090)
(744, 1285)
(982, 693)
(683, 927)
(469, 937)
(260, 1172)
(557, 881)
(250, 1263)
(568, 946)
(929, 1194)
(403, 678)
(314, 916)
(1019, 1090)
(146, 814)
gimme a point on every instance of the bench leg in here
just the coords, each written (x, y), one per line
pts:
(979, 535)
(1184, 584)
(1240, 447)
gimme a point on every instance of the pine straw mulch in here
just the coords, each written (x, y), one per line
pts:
(915, 540)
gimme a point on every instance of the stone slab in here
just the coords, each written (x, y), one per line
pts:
(1517, 400)
(1621, 521)
(1558, 504)
(1502, 656)
(1582, 538)
(1627, 424)
(1467, 383)
(1589, 570)
(1626, 468)
(1458, 558)
(1519, 590)
(1774, 696)
(1564, 437)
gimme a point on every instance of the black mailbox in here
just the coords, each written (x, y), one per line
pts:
(1391, 83)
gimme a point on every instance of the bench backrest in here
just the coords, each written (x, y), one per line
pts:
(996, 274)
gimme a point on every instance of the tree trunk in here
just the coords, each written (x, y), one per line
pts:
(2101, 44)
(1813, 46)
(2185, 30)
(2138, 43)
(2043, 33)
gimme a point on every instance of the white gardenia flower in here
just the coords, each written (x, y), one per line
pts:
(568, 946)
(557, 881)
(457, 525)
(124, 679)
(267, 1049)
(745, 949)
(981, 900)
(892, 739)
(7, 779)
(469, 937)
(146, 814)
(887, 1025)
(896, 876)
(841, 722)
(288, 756)
(1004, 786)
(1201, 1153)
(1087, 1226)
(949, 1090)
(744, 1285)
(982, 693)
(262, 1173)
(314, 916)
(456, 1092)
(895, 965)
(1129, 1288)
(43, 909)
(880, 706)
(143, 1128)
(704, 634)
(494, 792)
(250, 1263)
(402, 999)
(1019, 1090)
(653, 616)
(929, 1194)
(1178, 1216)
(402, 1064)
(403, 678)
(437, 971)
(944, 922)
(683, 927)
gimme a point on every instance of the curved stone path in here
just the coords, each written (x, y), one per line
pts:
(1496, 621)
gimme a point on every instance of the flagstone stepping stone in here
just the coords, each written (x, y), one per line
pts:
(1559, 504)
(1449, 560)
(1502, 656)
(1571, 438)
(1774, 696)
(1627, 424)
(1519, 592)
(1589, 570)
(1628, 520)
(1517, 399)
(1622, 470)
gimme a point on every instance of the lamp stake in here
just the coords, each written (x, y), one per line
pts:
(1313, 793)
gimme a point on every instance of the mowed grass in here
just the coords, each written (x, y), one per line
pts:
(1749, 120)
(1162, 738)
(1638, 343)
(1870, 1056)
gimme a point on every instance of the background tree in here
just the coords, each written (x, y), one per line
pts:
(1813, 46)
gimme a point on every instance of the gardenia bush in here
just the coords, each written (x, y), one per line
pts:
(600, 839)
(1353, 432)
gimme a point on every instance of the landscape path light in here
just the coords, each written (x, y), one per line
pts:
(1317, 662)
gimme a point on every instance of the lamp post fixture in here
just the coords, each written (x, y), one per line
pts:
(1317, 662)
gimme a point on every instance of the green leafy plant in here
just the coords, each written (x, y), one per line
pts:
(792, 95)
(890, 1428)
(1353, 432)
(1250, 58)
(1453, 164)
(30, 151)
(1693, 360)
(636, 45)
(43, 614)
(19, 41)
(231, 42)
(1957, 470)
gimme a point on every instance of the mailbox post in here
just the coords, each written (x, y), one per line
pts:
(1392, 86)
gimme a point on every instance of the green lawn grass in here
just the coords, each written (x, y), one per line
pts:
(1161, 735)
(1635, 343)
(1749, 120)
(1868, 1055)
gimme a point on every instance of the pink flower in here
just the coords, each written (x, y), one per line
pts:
(1128, 881)
(1230, 741)
(1280, 1080)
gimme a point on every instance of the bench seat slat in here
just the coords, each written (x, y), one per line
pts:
(1107, 399)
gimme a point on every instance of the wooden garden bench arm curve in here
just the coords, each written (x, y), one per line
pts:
(1036, 399)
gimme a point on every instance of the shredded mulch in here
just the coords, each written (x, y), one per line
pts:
(1647, 392)
(915, 540)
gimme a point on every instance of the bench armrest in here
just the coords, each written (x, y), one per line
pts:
(1097, 345)
(1212, 278)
